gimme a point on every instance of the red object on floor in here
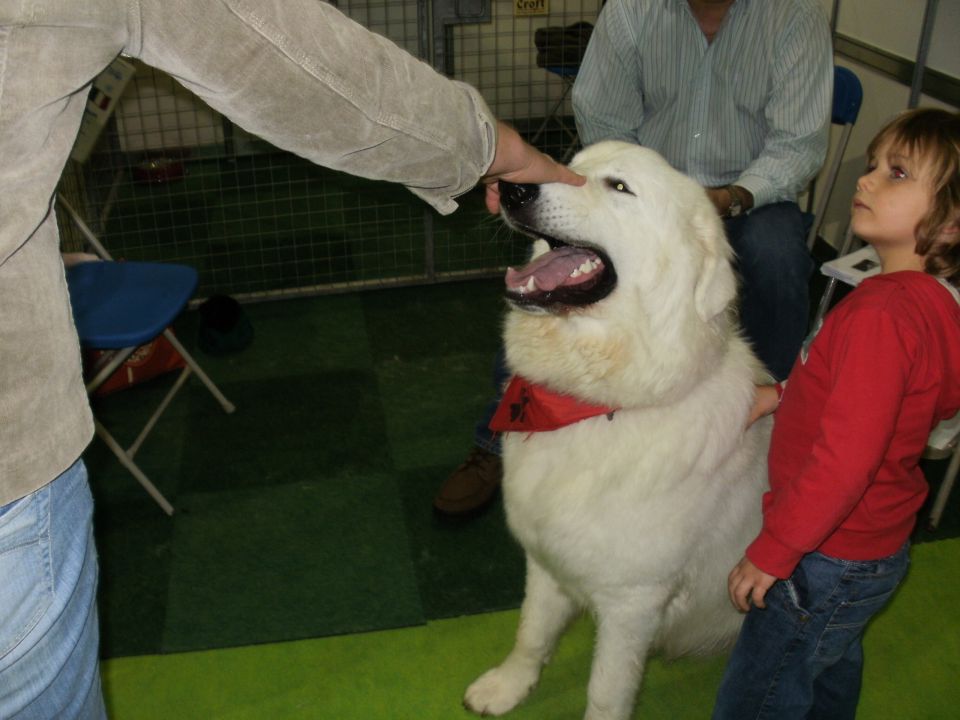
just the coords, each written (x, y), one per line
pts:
(156, 358)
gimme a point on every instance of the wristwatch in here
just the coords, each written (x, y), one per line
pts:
(736, 204)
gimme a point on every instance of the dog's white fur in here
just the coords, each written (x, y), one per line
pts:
(638, 519)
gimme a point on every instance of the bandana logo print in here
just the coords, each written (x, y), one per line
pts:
(518, 410)
(528, 407)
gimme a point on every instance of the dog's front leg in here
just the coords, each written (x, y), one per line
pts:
(626, 627)
(545, 613)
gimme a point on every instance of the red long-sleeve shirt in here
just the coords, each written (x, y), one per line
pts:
(855, 416)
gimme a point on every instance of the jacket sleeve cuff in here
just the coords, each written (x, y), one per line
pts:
(476, 158)
(772, 556)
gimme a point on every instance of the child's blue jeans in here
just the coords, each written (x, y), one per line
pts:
(801, 657)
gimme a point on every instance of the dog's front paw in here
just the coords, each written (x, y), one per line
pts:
(499, 690)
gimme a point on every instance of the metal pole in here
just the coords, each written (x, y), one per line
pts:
(425, 27)
(923, 49)
(423, 30)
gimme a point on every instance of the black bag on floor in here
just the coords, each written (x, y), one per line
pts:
(562, 46)
(224, 326)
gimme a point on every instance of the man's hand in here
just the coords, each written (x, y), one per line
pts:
(518, 162)
(748, 584)
(720, 197)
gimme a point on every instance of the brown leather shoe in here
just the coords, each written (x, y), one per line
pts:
(471, 486)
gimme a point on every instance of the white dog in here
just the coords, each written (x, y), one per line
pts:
(638, 512)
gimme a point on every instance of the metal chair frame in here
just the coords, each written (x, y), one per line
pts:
(567, 75)
(847, 99)
(113, 358)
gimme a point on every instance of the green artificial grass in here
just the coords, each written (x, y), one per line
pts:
(310, 507)
(420, 673)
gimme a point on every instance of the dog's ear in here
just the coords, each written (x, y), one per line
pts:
(717, 285)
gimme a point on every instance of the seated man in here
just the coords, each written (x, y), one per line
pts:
(736, 94)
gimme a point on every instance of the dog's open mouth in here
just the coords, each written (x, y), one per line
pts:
(566, 276)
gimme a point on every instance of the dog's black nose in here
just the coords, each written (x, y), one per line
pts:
(514, 196)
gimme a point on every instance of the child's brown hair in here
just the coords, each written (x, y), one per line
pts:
(934, 136)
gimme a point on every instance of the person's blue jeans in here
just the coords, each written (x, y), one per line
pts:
(774, 266)
(801, 656)
(49, 636)
(483, 436)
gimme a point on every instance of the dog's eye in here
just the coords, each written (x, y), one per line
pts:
(619, 186)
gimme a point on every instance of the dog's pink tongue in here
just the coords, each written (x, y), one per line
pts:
(563, 266)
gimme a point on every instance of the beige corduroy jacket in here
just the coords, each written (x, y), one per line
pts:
(296, 72)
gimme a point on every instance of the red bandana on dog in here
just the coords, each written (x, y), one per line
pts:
(527, 407)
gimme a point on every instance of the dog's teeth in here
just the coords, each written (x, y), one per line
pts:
(576, 273)
(531, 285)
(586, 267)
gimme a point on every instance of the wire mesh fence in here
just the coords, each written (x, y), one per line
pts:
(170, 179)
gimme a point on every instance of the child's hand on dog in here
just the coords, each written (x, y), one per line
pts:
(765, 401)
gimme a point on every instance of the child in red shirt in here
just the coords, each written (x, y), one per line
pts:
(845, 484)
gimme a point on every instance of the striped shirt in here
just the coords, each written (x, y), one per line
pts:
(751, 108)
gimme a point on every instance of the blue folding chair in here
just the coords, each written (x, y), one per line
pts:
(847, 98)
(119, 306)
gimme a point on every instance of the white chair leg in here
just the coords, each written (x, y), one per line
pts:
(134, 469)
(103, 370)
(181, 379)
(126, 456)
(227, 406)
(940, 502)
(824, 199)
